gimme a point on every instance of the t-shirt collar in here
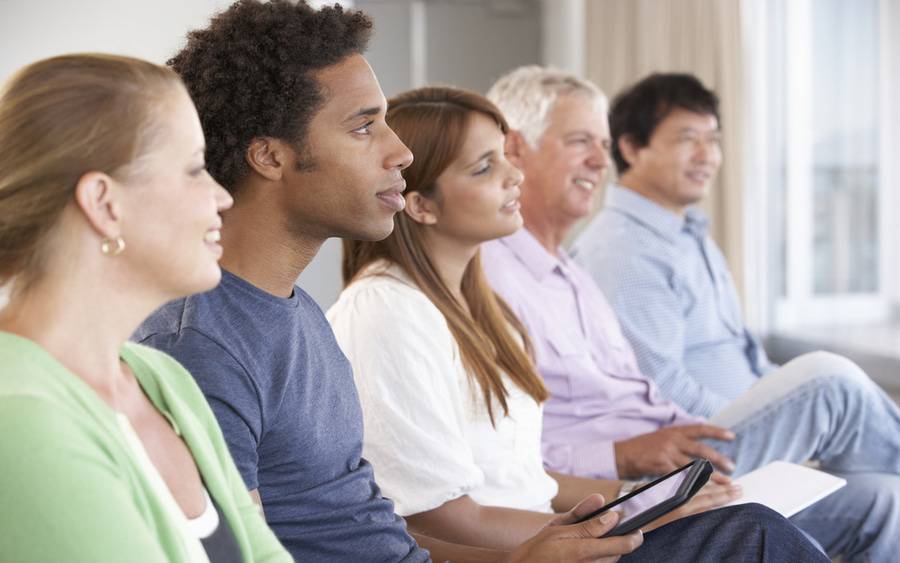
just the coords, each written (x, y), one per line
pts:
(235, 281)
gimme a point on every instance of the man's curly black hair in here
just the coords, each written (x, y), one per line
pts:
(250, 74)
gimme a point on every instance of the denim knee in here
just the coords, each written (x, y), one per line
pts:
(751, 518)
(821, 364)
(776, 536)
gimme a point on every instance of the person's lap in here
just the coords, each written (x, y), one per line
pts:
(742, 533)
(859, 521)
(820, 406)
(823, 407)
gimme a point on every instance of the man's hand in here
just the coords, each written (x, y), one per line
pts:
(668, 449)
(717, 492)
(564, 540)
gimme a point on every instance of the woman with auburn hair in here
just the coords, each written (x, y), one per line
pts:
(108, 449)
(450, 396)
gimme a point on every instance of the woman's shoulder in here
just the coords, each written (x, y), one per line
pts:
(40, 401)
(166, 372)
(384, 314)
(27, 371)
(383, 290)
(163, 365)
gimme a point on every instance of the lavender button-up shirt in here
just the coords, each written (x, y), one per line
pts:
(598, 394)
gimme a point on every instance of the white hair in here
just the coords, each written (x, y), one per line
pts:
(526, 95)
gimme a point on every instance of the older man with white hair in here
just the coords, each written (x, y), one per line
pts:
(607, 419)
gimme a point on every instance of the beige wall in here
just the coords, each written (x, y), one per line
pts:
(628, 40)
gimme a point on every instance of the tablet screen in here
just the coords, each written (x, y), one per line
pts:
(649, 498)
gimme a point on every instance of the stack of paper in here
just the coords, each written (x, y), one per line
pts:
(787, 488)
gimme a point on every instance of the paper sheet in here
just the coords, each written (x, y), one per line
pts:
(787, 488)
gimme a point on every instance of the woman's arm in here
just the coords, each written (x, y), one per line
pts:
(560, 540)
(573, 489)
(444, 551)
(464, 521)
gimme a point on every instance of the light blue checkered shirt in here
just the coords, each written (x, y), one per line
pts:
(671, 288)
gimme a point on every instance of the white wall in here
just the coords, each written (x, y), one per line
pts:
(564, 32)
(31, 30)
(468, 43)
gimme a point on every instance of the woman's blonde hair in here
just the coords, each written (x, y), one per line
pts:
(59, 119)
(433, 122)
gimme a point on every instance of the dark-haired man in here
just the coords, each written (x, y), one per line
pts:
(608, 418)
(294, 123)
(650, 253)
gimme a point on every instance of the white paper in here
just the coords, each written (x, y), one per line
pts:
(787, 488)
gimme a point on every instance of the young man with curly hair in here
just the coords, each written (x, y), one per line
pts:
(295, 130)
(294, 125)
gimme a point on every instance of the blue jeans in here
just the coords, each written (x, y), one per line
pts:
(737, 534)
(823, 407)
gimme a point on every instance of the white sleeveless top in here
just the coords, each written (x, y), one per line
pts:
(192, 530)
(427, 431)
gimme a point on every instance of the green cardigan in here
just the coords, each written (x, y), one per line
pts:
(70, 489)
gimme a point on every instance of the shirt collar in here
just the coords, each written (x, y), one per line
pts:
(654, 216)
(531, 253)
(696, 223)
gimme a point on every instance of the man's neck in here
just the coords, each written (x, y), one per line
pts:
(549, 233)
(258, 249)
(637, 186)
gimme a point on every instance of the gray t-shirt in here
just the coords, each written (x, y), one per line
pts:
(284, 396)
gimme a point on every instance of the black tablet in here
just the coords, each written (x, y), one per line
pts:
(646, 504)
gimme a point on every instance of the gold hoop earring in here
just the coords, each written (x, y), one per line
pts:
(106, 246)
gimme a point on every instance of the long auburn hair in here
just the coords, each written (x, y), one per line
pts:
(433, 122)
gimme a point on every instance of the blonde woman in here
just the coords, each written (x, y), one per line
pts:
(450, 396)
(108, 450)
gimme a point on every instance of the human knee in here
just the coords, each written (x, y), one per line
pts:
(821, 366)
(885, 505)
(760, 514)
(871, 497)
(745, 518)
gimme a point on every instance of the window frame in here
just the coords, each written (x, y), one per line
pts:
(800, 305)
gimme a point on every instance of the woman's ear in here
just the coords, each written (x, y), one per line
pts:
(267, 157)
(421, 209)
(98, 197)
